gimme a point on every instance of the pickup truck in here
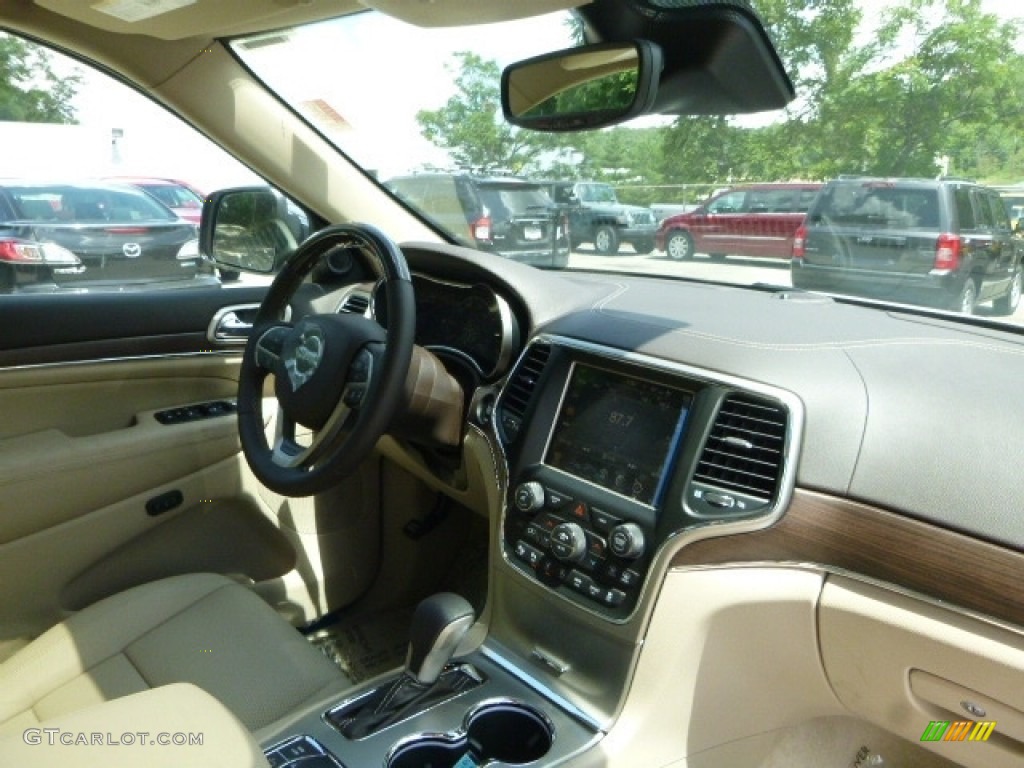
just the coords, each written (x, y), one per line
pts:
(596, 216)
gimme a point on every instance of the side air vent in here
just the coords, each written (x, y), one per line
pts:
(742, 460)
(355, 303)
(520, 388)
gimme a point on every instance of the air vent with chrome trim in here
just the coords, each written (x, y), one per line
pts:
(355, 303)
(519, 390)
(741, 464)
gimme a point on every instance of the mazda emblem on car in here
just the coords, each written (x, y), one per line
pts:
(132, 250)
(303, 356)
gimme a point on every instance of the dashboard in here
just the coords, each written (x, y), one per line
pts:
(662, 448)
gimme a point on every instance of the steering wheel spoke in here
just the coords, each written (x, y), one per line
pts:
(269, 347)
(289, 454)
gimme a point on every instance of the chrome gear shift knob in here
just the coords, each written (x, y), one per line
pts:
(438, 626)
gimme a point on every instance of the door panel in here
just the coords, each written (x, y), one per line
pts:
(74, 327)
(82, 454)
(83, 437)
(41, 573)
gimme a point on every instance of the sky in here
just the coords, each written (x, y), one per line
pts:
(329, 63)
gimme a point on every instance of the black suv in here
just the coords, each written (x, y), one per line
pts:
(943, 243)
(596, 216)
(511, 217)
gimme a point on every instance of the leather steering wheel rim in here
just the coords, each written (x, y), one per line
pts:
(343, 366)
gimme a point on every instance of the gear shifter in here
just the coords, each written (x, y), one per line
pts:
(438, 626)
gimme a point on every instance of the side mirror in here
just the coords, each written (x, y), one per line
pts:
(592, 86)
(251, 229)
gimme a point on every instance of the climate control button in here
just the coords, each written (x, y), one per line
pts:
(626, 541)
(529, 497)
(569, 542)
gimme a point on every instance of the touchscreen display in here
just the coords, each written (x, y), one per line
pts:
(618, 432)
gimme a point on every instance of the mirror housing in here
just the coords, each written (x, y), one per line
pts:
(251, 229)
(587, 87)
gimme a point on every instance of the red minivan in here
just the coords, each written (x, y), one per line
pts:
(749, 220)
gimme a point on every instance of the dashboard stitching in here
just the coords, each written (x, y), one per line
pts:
(600, 304)
(864, 422)
(496, 462)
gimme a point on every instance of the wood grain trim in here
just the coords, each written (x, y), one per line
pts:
(849, 536)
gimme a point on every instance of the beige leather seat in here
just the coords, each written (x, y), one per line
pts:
(202, 629)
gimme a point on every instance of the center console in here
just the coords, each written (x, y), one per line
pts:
(502, 721)
(611, 455)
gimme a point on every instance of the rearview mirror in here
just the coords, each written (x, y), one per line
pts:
(252, 229)
(591, 86)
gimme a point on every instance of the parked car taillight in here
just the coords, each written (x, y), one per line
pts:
(23, 252)
(800, 242)
(947, 252)
(482, 228)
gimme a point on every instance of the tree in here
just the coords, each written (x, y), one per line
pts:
(875, 105)
(30, 91)
(470, 127)
(933, 78)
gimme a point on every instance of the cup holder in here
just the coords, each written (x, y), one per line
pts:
(506, 732)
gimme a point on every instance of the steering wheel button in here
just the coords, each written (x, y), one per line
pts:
(354, 394)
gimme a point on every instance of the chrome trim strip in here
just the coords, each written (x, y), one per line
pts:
(465, 667)
(679, 539)
(227, 352)
(529, 681)
(462, 731)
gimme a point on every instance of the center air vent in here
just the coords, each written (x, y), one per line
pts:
(355, 303)
(519, 389)
(742, 460)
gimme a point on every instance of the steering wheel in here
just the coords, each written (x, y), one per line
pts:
(340, 375)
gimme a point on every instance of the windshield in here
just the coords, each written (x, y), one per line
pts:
(906, 124)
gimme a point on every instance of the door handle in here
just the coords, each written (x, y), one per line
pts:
(230, 326)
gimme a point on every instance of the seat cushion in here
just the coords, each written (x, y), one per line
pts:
(202, 629)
